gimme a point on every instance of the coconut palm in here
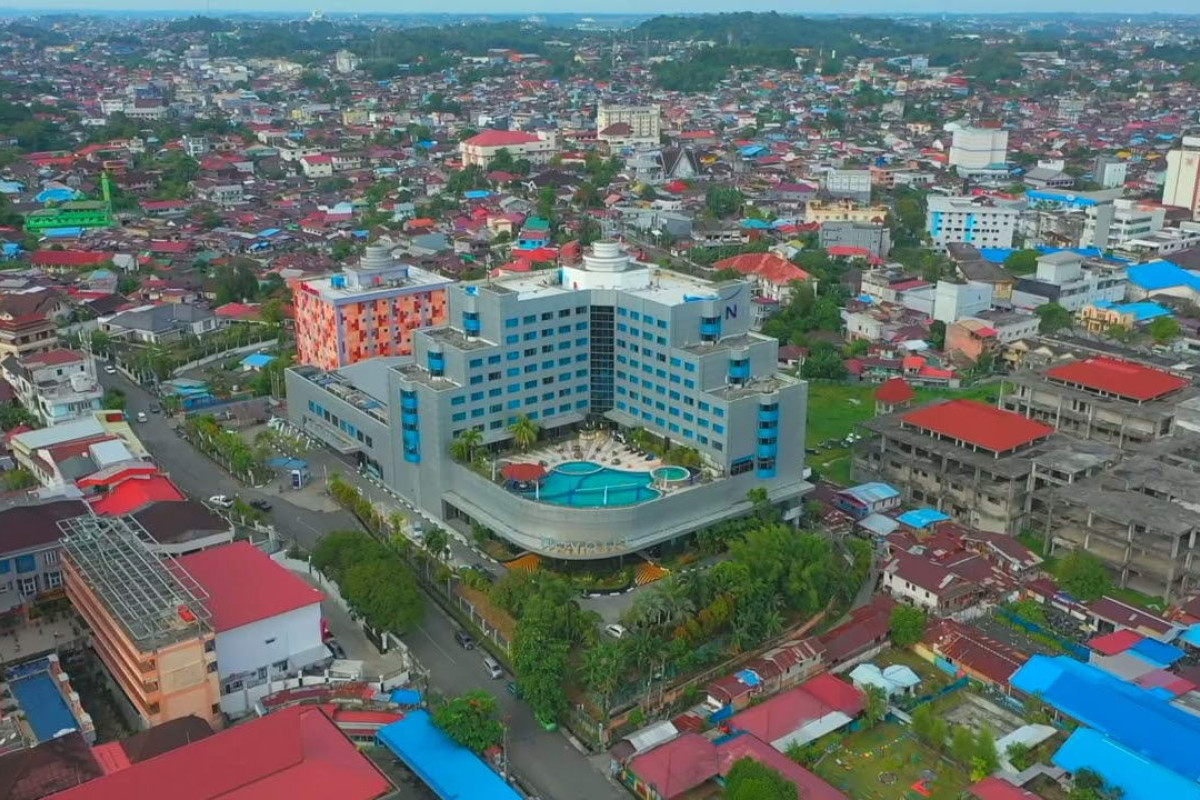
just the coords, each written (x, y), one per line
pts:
(464, 445)
(524, 432)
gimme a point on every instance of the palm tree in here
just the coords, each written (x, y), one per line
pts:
(436, 542)
(525, 432)
(464, 445)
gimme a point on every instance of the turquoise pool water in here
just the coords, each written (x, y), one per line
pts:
(672, 473)
(586, 484)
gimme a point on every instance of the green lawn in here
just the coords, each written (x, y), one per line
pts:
(855, 768)
(834, 409)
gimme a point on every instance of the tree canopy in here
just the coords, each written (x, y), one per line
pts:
(471, 719)
(1083, 575)
(907, 625)
(749, 779)
(1053, 317)
(373, 579)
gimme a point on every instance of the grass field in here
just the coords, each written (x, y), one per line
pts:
(836, 409)
(855, 768)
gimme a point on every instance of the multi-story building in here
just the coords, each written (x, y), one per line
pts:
(978, 148)
(874, 239)
(1108, 226)
(345, 61)
(29, 553)
(973, 220)
(1109, 171)
(952, 301)
(1160, 243)
(147, 620)
(267, 621)
(1141, 518)
(853, 184)
(29, 321)
(844, 211)
(1182, 186)
(370, 309)
(480, 149)
(57, 385)
(629, 126)
(612, 344)
(967, 459)
(1071, 281)
(1120, 402)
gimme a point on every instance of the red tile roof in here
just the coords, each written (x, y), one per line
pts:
(977, 424)
(53, 357)
(134, 492)
(968, 647)
(68, 258)
(894, 391)
(295, 753)
(1116, 642)
(677, 766)
(1114, 376)
(997, 789)
(795, 708)
(767, 266)
(490, 138)
(245, 585)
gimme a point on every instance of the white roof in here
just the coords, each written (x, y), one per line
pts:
(652, 736)
(58, 434)
(111, 452)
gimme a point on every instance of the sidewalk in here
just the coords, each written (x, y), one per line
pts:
(321, 463)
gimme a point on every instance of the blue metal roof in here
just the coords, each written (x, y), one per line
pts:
(1129, 715)
(872, 492)
(1138, 778)
(1161, 275)
(453, 772)
(922, 517)
(1157, 652)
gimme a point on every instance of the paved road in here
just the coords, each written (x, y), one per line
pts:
(547, 760)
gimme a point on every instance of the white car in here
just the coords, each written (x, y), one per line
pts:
(110, 369)
(141, 416)
(615, 631)
(221, 501)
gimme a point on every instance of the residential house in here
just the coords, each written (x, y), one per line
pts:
(57, 385)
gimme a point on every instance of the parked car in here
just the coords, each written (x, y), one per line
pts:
(493, 668)
(155, 408)
(616, 631)
(221, 501)
(261, 505)
(335, 647)
(464, 640)
(141, 417)
(110, 369)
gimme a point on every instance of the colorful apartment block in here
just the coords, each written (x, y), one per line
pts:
(369, 310)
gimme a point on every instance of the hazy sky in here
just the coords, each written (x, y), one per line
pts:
(610, 6)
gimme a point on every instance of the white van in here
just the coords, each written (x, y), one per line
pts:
(493, 667)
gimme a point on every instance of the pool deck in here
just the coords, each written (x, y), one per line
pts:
(603, 450)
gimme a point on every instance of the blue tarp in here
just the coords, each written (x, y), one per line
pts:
(1138, 778)
(257, 360)
(406, 697)
(1161, 275)
(1129, 715)
(57, 194)
(73, 232)
(1142, 312)
(1157, 652)
(755, 224)
(1192, 635)
(922, 517)
(453, 772)
(748, 677)
(477, 194)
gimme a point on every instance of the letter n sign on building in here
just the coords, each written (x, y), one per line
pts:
(731, 311)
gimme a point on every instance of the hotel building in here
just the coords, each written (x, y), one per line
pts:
(610, 344)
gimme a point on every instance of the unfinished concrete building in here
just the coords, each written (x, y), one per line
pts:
(1141, 518)
(969, 460)
(1106, 399)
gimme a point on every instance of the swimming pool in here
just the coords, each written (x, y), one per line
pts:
(44, 707)
(586, 484)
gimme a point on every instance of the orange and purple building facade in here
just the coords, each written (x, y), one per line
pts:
(367, 311)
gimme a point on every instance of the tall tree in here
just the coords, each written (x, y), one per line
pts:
(471, 719)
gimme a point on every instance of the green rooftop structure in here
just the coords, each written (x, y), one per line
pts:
(75, 213)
